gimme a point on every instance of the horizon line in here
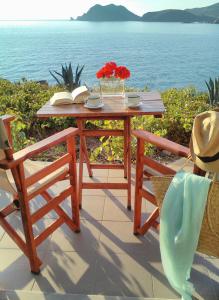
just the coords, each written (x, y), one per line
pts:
(49, 19)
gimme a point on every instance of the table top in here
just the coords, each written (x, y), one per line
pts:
(152, 104)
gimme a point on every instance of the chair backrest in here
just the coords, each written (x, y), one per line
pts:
(5, 183)
(4, 142)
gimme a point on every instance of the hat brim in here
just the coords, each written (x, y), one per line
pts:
(209, 166)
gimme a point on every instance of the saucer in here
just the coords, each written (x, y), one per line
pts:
(94, 107)
(134, 105)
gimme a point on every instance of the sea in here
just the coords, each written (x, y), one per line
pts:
(159, 55)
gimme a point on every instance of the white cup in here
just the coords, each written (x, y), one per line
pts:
(93, 100)
(133, 99)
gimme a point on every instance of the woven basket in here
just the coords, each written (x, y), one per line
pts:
(209, 235)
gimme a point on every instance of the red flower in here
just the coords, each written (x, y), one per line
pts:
(122, 72)
(111, 65)
(111, 70)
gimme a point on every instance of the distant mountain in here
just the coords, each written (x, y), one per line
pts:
(111, 12)
(211, 11)
(174, 15)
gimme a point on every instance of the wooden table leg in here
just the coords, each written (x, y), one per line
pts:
(127, 130)
(125, 151)
(138, 185)
(80, 125)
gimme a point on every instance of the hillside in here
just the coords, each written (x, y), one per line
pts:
(174, 15)
(212, 11)
(99, 13)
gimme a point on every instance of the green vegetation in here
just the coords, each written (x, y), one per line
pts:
(213, 90)
(211, 11)
(24, 98)
(111, 12)
(68, 79)
(175, 15)
(182, 105)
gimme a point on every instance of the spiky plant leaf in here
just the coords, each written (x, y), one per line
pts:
(57, 80)
(69, 80)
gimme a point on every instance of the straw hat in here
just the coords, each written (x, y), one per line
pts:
(204, 144)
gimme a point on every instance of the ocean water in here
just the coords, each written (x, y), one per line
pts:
(159, 55)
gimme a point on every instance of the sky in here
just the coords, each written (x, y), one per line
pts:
(56, 9)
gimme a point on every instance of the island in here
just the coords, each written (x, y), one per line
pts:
(175, 15)
(119, 13)
(111, 12)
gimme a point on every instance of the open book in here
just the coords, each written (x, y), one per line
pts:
(79, 95)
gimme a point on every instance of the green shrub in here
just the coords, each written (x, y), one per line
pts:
(23, 99)
(182, 105)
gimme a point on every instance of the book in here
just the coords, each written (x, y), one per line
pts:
(79, 95)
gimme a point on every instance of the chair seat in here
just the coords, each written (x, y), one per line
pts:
(30, 167)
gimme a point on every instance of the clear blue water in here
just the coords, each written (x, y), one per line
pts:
(159, 55)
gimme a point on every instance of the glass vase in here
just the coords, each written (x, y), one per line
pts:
(112, 87)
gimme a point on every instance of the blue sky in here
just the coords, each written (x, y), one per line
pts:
(52, 9)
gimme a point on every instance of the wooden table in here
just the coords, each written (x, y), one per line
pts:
(114, 109)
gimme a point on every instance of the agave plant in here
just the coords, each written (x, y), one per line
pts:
(213, 90)
(67, 77)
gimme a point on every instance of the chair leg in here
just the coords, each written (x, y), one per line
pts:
(125, 152)
(151, 221)
(128, 158)
(80, 183)
(80, 125)
(138, 186)
(73, 181)
(26, 221)
(28, 232)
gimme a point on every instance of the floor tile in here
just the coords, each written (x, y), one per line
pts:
(96, 172)
(6, 199)
(122, 275)
(97, 192)
(15, 270)
(115, 209)
(117, 192)
(182, 162)
(1, 233)
(212, 267)
(69, 272)
(105, 257)
(118, 237)
(203, 284)
(91, 192)
(92, 207)
(113, 173)
(161, 286)
(8, 243)
(199, 276)
(63, 239)
(95, 179)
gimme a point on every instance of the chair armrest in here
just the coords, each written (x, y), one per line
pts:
(162, 143)
(45, 144)
(7, 119)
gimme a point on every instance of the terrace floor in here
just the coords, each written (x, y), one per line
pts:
(104, 259)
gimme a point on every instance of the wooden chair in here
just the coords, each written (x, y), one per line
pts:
(16, 178)
(142, 175)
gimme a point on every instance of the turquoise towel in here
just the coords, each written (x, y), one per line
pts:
(180, 224)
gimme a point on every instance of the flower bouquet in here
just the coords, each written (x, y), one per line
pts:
(112, 78)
